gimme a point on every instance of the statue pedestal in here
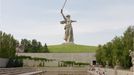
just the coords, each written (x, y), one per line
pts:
(68, 43)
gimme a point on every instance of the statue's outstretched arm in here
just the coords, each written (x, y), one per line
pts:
(73, 21)
(63, 15)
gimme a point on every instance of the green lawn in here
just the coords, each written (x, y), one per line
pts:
(71, 48)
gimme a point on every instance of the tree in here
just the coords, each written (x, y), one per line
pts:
(7, 45)
(99, 55)
(128, 45)
(27, 45)
(34, 45)
(39, 47)
(45, 49)
(117, 49)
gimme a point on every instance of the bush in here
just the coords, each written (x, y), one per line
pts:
(15, 62)
(68, 63)
(81, 64)
(72, 63)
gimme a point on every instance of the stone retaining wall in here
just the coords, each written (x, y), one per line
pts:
(3, 62)
(78, 57)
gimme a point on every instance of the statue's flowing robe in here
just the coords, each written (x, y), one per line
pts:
(68, 31)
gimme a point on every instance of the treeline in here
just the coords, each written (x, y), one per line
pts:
(116, 52)
(34, 46)
(9, 45)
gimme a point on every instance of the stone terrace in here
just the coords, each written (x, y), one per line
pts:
(19, 71)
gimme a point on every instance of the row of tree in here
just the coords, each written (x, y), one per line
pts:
(33, 46)
(116, 52)
(8, 45)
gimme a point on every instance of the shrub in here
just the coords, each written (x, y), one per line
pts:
(15, 62)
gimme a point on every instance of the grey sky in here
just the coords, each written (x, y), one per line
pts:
(99, 21)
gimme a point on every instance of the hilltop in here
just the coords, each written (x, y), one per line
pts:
(71, 48)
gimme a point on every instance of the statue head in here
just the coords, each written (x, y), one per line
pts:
(68, 16)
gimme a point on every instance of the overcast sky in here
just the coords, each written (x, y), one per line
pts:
(98, 21)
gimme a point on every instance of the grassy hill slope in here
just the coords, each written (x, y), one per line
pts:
(71, 48)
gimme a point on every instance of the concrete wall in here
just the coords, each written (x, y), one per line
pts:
(79, 57)
(3, 62)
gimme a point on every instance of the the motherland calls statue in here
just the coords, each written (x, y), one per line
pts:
(68, 28)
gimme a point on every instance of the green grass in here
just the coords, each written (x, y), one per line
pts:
(71, 48)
